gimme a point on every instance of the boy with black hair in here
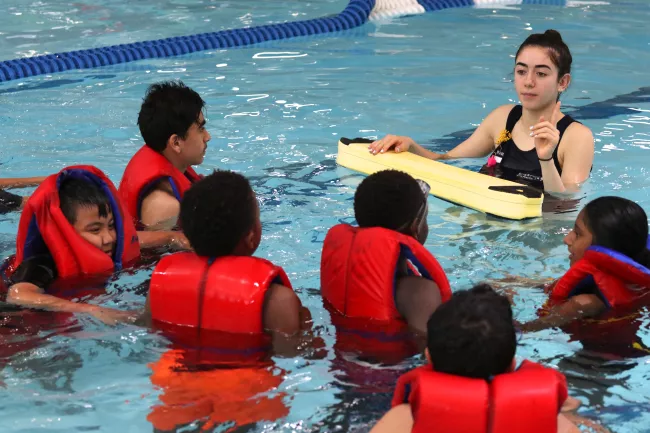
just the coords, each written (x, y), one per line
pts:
(381, 270)
(393, 200)
(220, 216)
(71, 230)
(172, 124)
(471, 383)
(225, 313)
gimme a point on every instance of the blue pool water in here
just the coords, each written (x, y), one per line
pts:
(275, 112)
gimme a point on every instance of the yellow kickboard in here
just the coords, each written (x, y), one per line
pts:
(477, 191)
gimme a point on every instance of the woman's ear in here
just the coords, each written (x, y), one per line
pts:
(564, 82)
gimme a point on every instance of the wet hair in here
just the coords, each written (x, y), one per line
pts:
(558, 51)
(75, 193)
(620, 225)
(169, 107)
(472, 335)
(390, 199)
(217, 212)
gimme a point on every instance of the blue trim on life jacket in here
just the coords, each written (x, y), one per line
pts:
(115, 209)
(621, 258)
(34, 243)
(406, 253)
(396, 277)
(589, 283)
(584, 286)
(407, 392)
(175, 189)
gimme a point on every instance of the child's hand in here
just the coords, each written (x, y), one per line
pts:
(180, 242)
(570, 404)
(112, 317)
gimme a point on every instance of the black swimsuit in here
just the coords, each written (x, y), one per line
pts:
(517, 165)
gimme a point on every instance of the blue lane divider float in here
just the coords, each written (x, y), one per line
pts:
(357, 13)
(434, 5)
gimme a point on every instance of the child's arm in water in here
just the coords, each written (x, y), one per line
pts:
(522, 282)
(576, 307)
(21, 182)
(29, 295)
(176, 240)
(397, 420)
(38, 272)
(289, 323)
(568, 412)
(505, 285)
(571, 421)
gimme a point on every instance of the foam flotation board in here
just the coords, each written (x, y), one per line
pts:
(477, 191)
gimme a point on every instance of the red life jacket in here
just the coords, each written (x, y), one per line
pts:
(43, 229)
(622, 282)
(526, 400)
(623, 285)
(238, 396)
(358, 269)
(145, 170)
(214, 311)
(213, 304)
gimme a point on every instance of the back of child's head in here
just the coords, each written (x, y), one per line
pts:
(75, 193)
(473, 334)
(217, 212)
(390, 199)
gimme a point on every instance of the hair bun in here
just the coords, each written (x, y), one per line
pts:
(553, 35)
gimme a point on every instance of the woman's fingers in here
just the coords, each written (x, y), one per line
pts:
(384, 144)
(542, 125)
(545, 130)
(547, 136)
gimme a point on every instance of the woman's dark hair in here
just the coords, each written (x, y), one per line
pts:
(558, 51)
(620, 225)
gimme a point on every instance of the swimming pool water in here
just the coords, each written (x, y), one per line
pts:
(275, 112)
(31, 28)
